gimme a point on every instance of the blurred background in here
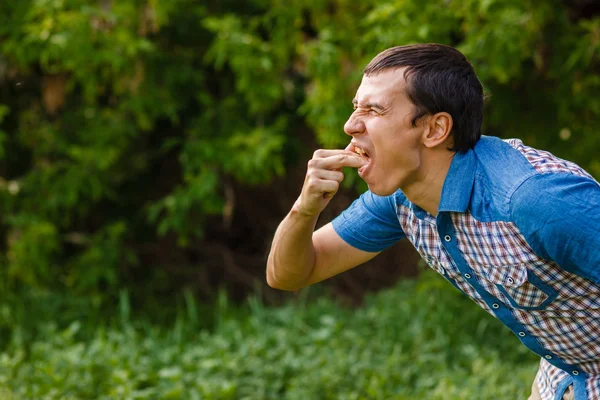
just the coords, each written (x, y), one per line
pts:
(149, 149)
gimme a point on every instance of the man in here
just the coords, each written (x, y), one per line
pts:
(514, 228)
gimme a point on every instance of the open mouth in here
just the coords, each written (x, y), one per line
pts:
(363, 153)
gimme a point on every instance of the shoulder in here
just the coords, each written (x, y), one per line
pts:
(553, 176)
(508, 170)
(545, 162)
(502, 162)
(512, 155)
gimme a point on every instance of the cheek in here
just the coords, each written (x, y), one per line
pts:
(394, 143)
(399, 155)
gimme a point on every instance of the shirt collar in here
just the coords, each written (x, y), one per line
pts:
(458, 185)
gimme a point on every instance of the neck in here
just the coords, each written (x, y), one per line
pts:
(426, 190)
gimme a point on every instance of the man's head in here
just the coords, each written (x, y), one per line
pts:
(438, 78)
(414, 104)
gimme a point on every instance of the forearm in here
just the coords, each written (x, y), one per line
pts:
(292, 256)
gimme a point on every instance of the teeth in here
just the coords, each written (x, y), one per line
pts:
(359, 151)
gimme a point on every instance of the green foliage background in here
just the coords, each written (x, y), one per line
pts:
(412, 342)
(122, 123)
(131, 132)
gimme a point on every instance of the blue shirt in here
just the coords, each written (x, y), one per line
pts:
(517, 230)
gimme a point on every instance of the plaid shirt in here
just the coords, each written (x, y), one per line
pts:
(518, 231)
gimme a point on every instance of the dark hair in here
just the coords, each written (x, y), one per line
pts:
(438, 78)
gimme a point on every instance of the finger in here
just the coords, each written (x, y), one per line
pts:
(328, 188)
(329, 175)
(316, 187)
(349, 148)
(342, 160)
(324, 153)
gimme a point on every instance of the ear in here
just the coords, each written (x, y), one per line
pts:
(439, 127)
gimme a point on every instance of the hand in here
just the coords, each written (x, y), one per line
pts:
(323, 178)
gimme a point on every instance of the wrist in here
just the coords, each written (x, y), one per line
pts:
(300, 212)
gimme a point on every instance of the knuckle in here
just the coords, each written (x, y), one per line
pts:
(312, 183)
(332, 186)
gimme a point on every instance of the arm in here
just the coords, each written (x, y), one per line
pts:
(559, 215)
(299, 258)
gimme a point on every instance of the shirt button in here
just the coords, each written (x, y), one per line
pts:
(575, 372)
(468, 276)
(447, 238)
(522, 334)
(443, 271)
(548, 357)
(511, 280)
(495, 305)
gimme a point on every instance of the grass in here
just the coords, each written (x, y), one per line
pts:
(421, 340)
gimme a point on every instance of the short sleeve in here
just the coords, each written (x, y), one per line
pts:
(559, 215)
(370, 223)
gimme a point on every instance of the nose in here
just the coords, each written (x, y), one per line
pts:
(354, 125)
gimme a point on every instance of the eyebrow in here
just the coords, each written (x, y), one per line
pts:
(370, 104)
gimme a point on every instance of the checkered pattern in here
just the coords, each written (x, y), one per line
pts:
(568, 327)
(545, 162)
(548, 378)
(526, 295)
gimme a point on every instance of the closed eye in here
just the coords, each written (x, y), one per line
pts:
(371, 111)
(372, 108)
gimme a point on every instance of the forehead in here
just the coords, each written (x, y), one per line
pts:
(385, 85)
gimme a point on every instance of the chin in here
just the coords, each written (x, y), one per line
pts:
(381, 191)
